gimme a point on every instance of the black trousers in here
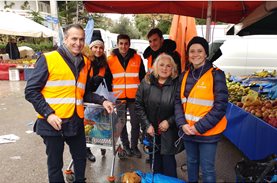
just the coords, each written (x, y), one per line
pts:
(135, 127)
(54, 151)
(163, 164)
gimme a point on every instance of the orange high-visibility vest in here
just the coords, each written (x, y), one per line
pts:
(200, 102)
(150, 63)
(125, 81)
(102, 71)
(62, 92)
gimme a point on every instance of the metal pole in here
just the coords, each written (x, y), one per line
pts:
(208, 20)
(36, 5)
(54, 13)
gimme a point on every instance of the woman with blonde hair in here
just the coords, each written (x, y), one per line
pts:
(155, 107)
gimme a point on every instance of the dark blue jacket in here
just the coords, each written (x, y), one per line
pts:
(216, 113)
(33, 94)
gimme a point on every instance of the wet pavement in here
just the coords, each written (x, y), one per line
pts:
(25, 159)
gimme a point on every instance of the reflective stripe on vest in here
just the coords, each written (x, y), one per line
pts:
(150, 63)
(61, 91)
(126, 81)
(200, 102)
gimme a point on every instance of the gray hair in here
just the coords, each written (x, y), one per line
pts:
(76, 26)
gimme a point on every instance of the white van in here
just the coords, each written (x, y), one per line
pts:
(140, 45)
(247, 54)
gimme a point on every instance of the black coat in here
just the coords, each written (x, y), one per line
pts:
(155, 104)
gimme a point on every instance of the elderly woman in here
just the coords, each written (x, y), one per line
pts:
(155, 107)
(201, 103)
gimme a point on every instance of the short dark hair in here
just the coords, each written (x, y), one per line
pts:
(123, 36)
(77, 26)
(155, 31)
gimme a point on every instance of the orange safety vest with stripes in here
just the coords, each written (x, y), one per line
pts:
(200, 102)
(150, 63)
(61, 91)
(102, 72)
(125, 81)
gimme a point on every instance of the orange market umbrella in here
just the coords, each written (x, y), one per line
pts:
(182, 29)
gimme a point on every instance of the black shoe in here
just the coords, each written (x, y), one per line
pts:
(103, 152)
(90, 156)
(128, 151)
(136, 152)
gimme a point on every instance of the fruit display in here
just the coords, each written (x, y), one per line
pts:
(264, 109)
(265, 73)
(20, 62)
(236, 91)
(253, 102)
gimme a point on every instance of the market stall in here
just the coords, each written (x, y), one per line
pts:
(252, 114)
(251, 135)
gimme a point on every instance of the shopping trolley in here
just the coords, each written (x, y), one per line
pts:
(103, 133)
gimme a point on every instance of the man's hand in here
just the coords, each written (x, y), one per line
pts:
(108, 106)
(55, 121)
(164, 125)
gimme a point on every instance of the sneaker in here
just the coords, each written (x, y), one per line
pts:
(127, 150)
(136, 152)
(90, 156)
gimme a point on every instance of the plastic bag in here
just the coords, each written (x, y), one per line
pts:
(147, 178)
(103, 91)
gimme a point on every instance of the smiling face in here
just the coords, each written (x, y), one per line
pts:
(123, 46)
(197, 55)
(97, 50)
(164, 68)
(155, 42)
(74, 40)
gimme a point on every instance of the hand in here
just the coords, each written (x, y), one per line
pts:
(55, 121)
(151, 131)
(163, 126)
(194, 130)
(187, 130)
(108, 106)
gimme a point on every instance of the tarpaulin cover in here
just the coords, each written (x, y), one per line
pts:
(254, 137)
(148, 178)
(17, 25)
(225, 11)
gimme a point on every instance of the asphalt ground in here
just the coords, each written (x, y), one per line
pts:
(25, 160)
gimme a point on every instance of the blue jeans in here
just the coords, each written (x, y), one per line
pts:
(202, 154)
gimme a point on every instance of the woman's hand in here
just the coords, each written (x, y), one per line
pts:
(188, 130)
(108, 106)
(194, 130)
(163, 126)
(150, 130)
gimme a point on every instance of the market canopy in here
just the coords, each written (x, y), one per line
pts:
(260, 21)
(224, 11)
(17, 25)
